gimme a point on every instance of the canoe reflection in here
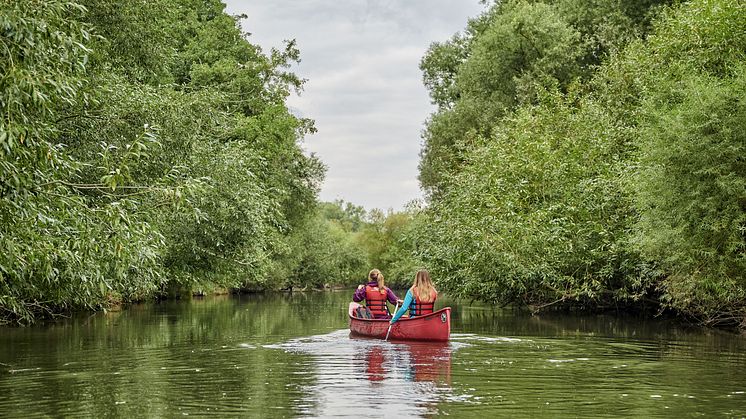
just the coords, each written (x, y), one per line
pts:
(416, 361)
(365, 377)
(429, 361)
(374, 360)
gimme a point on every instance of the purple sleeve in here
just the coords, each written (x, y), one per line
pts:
(391, 296)
(359, 295)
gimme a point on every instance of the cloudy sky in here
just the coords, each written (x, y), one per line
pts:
(364, 86)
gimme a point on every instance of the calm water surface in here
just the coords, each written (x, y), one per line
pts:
(284, 355)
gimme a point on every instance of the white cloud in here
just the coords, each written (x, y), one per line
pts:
(364, 86)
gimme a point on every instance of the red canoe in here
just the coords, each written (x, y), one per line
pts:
(434, 327)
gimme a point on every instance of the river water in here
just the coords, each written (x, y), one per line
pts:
(280, 355)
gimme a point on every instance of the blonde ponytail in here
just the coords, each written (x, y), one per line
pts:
(376, 275)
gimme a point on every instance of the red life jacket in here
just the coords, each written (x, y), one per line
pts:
(420, 307)
(376, 301)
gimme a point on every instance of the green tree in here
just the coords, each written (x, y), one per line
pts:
(323, 252)
(689, 181)
(390, 244)
(59, 251)
(144, 148)
(538, 214)
(621, 188)
(506, 58)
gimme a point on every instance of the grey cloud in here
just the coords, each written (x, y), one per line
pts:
(364, 86)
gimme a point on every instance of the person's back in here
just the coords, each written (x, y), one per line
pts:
(420, 298)
(424, 301)
(375, 294)
(375, 300)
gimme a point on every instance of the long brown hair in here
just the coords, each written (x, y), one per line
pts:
(423, 287)
(376, 275)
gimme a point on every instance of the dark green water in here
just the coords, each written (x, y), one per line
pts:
(292, 356)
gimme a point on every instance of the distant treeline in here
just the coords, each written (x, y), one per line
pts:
(590, 155)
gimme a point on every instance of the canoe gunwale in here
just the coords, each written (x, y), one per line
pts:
(401, 319)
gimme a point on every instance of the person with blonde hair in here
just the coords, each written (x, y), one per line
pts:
(420, 298)
(376, 293)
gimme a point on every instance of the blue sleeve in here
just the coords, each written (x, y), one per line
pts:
(405, 306)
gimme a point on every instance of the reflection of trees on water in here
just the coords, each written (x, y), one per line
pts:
(291, 355)
(484, 319)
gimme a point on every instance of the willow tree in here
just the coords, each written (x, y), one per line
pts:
(505, 58)
(144, 147)
(623, 188)
(59, 251)
(689, 181)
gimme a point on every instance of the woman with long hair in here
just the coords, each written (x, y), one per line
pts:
(376, 293)
(420, 298)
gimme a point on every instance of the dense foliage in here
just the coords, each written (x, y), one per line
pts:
(506, 58)
(689, 178)
(582, 154)
(145, 148)
(588, 154)
(325, 251)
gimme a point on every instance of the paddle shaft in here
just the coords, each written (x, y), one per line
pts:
(391, 324)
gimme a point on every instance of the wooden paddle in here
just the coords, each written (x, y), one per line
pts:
(391, 324)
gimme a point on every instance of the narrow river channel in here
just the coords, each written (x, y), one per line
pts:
(280, 355)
